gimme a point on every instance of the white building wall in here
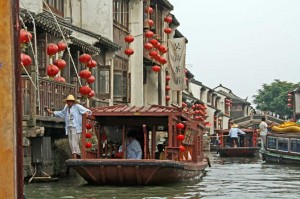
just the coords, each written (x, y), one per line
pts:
(210, 113)
(35, 6)
(151, 88)
(195, 89)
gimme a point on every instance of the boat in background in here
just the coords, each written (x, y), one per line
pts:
(247, 146)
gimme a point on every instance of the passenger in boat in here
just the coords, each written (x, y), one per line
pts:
(72, 113)
(134, 150)
(160, 154)
(234, 135)
(263, 130)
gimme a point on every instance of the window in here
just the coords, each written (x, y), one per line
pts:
(121, 79)
(121, 12)
(295, 145)
(157, 17)
(118, 84)
(57, 6)
(272, 142)
(283, 144)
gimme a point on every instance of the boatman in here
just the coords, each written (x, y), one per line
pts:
(234, 135)
(72, 113)
(263, 130)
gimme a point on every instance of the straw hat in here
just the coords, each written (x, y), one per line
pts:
(234, 126)
(71, 98)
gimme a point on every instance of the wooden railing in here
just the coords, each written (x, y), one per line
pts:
(51, 95)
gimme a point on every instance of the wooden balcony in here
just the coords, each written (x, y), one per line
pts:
(50, 94)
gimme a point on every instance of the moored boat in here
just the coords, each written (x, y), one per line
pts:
(103, 164)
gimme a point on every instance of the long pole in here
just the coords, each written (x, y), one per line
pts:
(11, 147)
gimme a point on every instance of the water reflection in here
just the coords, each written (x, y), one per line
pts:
(228, 178)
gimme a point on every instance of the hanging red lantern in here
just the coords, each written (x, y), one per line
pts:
(88, 145)
(186, 71)
(162, 49)
(25, 59)
(168, 30)
(148, 46)
(52, 70)
(168, 98)
(154, 42)
(85, 58)
(180, 126)
(85, 74)
(91, 64)
(156, 69)
(60, 79)
(157, 46)
(180, 137)
(168, 88)
(85, 90)
(61, 46)
(88, 135)
(186, 79)
(168, 78)
(153, 53)
(60, 63)
(149, 34)
(168, 19)
(163, 60)
(148, 10)
(129, 38)
(88, 126)
(290, 105)
(91, 79)
(52, 49)
(157, 58)
(150, 22)
(181, 148)
(91, 94)
(290, 95)
(25, 36)
(289, 100)
(129, 51)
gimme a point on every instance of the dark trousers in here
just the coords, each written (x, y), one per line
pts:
(236, 141)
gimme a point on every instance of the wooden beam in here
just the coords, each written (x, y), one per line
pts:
(11, 146)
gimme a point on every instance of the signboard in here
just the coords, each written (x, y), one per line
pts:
(189, 137)
(177, 50)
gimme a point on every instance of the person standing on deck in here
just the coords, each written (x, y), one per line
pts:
(134, 150)
(234, 135)
(263, 130)
(72, 113)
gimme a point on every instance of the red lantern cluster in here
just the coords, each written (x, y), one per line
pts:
(199, 111)
(88, 134)
(129, 51)
(168, 20)
(290, 101)
(228, 102)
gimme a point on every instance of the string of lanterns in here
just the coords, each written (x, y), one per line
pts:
(25, 37)
(180, 136)
(88, 134)
(290, 101)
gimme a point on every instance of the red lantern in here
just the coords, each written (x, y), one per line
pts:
(153, 53)
(85, 74)
(129, 51)
(88, 145)
(60, 63)
(88, 135)
(52, 49)
(150, 22)
(129, 38)
(180, 137)
(148, 10)
(180, 126)
(181, 148)
(91, 79)
(149, 34)
(25, 59)
(148, 46)
(186, 79)
(163, 60)
(59, 79)
(162, 49)
(52, 70)
(154, 42)
(168, 78)
(85, 90)
(157, 58)
(156, 69)
(168, 98)
(157, 46)
(61, 46)
(289, 100)
(168, 19)
(91, 64)
(25, 36)
(193, 107)
(88, 126)
(290, 95)
(85, 58)
(91, 94)
(168, 30)
(290, 105)
(168, 88)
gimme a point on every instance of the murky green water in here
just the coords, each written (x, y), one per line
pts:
(228, 178)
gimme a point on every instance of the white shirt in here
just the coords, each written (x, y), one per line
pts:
(134, 150)
(263, 128)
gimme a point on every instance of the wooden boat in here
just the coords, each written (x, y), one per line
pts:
(283, 144)
(100, 166)
(246, 146)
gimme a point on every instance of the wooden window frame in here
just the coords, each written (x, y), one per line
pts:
(121, 14)
(104, 95)
(53, 6)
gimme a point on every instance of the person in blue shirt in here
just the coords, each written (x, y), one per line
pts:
(72, 113)
(234, 135)
(134, 150)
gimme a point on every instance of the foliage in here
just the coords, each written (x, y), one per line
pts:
(273, 97)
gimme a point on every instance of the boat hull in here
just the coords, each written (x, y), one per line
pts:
(280, 158)
(135, 172)
(239, 152)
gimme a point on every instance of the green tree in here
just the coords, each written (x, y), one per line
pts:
(273, 97)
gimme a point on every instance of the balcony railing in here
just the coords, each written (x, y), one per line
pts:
(51, 95)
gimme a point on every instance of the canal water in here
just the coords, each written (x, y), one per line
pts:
(230, 178)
